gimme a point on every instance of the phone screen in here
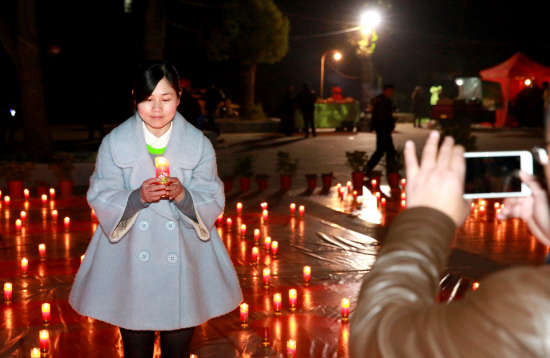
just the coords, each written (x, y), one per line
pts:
(493, 175)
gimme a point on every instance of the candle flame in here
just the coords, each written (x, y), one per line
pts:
(345, 302)
(7, 286)
(44, 334)
(307, 269)
(292, 293)
(161, 160)
(291, 344)
(277, 297)
(45, 307)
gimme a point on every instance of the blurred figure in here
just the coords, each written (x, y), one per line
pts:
(213, 99)
(417, 98)
(189, 106)
(9, 121)
(287, 110)
(545, 94)
(306, 101)
(530, 106)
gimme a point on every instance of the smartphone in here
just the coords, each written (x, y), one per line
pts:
(496, 174)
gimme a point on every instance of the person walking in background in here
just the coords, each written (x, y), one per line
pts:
(306, 101)
(417, 98)
(286, 111)
(213, 99)
(383, 123)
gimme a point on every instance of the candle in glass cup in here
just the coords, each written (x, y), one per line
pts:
(255, 253)
(307, 275)
(243, 230)
(277, 304)
(292, 209)
(239, 208)
(52, 193)
(26, 194)
(301, 211)
(244, 315)
(42, 251)
(267, 243)
(264, 215)
(229, 223)
(24, 266)
(292, 299)
(35, 353)
(291, 348)
(267, 277)
(44, 341)
(67, 223)
(256, 235)
(8, 290)
(18, 225)
(46, 313)
(274, 248)
(345, 309)
(162, 169)
(44, 199)
(7, 200)
(23, 215)
(54, 215)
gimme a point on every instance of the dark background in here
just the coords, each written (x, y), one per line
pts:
(423, 43)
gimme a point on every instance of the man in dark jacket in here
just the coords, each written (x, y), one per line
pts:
(383, 123)
(306, 101)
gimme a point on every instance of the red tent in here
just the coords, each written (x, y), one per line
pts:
(511, 74)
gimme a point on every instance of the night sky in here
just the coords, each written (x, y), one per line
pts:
(421, 42)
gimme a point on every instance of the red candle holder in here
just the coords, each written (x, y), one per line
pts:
(229, 223)
(267, 277)
(42, 251)
(46, 313)
(263, 205)
(475, 286)
(293, 209)
(26, 194)
(219, 220)
(265, 214)
(18, 225)
(355, 195)
(7, 200)
(267, 243)
(244, 315)
(378, 196)
(265, 337)
(302, 211)
(403, 204)
(383, 203)
(94, 216)
(277, 304)
(44, 199)
(256, 235)
(345, 309)
(497, 205)
(54, 215)
(239, 208)
(44, 341)
(52, 193)
(307, 275)
(403, 195)
(291, 348)
(67, 223)
(292, 299)
(243, 230)
(255, 253)
(274, 248)
(23, 215)
(348, 186)
(8, 290)
(403, 183)
(24, 266)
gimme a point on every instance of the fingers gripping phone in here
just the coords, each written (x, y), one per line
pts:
(496, 174)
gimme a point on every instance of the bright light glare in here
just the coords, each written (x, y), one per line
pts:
(337, 56)
(370, 20)
(459, 81)
(12, 112)
(528, 82)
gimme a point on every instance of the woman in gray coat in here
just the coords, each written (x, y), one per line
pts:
(156, 261)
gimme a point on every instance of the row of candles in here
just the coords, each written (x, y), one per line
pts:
(55, 214)
(26, 194)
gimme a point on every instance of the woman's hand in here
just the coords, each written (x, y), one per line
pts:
(534, 209)
(438, 182)
(174, 189)
(151, 191)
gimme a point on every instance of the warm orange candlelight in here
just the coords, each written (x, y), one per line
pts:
(348, 185)
(403, 204)
(291, 348)
(219, 220)
(42, 250)
(307, 275)
(472, 208)
(18, 225)
(475, 286)
(256, 235)
(7, 200)
(383, 203)
(263, 205)
(292, 209)
(292, 298)
(24, 266)
(274, 248)
(403, 195)
(377, 194)
(243, 230)
(239, 208)
(267, 243)
(44, 341)
(255, 253)
(403, 183)
(345, 309)
(67, 222)
(482, 210)
(35, 353)
(23, 215)
(52, 193)
(7, 292)
(301, 211)
(267, 277)
(355, 194)
(373, 183)
(82, 258)
(46, 313)
(94, 216)
(162, 169)
(244, 315)
(497, 205)
(44, 199)
(26, 193)
(229, 223)
(277, 304)
(264, 215)
(193, 356)
(54, 215)
(482, 202)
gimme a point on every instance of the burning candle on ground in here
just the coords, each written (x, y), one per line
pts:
(52, 193)
(42, 251)
(26, 194)
(355, 195)
(265, 336)
(243, 230)
(7, 292)
(383, 203)
(255, 253)
(67, 222)
(345, 309)
(267, 243)
(18, 225)
(277, 304)
(403, 183)
(291, 348)
(35, 353)
(44, 199)
(307, 275)
(94, 216)
(274, 248)
(373, 184)
(219, 220)
(54, 215)
(348, 185)
(244, 315)
(256, 235)
(378, 196)
(403, 204)
(292, 298)
(302, 211)
(23, 215)
(482, 210)
(472, 208)
(239, 208)
(264, 205)
(229, 223)
(292, 209)
(7, 200)
(46, 313)
(44, 341)
(267, 277)
(497, 205)
(264, 215)
(24, 266)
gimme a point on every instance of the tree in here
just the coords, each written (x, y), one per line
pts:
(18, 36)
(250, 32)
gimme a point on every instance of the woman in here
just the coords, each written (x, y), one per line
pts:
(156, 262)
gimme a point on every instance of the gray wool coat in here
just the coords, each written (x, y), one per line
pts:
(158, 270)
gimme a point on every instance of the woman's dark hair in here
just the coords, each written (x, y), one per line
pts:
(149, 74)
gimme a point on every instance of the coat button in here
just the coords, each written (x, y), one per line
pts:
(172, 258)
(143, 225)
(144, 256)
(170, 225)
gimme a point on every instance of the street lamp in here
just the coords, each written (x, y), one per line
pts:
(337, 56)
(369, 20)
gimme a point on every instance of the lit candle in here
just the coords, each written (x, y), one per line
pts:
(239, 208)
(267, 277)
(274, 248)
(67, 222)
(26, 193)
(348, 185)
(383, 203)
(162, 169)
(193, 356)
(482, 210)
(302, 211)
(497, 205)
(42, 251)
(292, 209)
(277, 304)
(23, 215)
(18, 225)
(255, 253)
(378, 196)
(82, 258)
(355, 194)
(220, 219)
(403, 204)
(345, 309)
(341, 193)
(229, 223)
(307, 275)
(94, 216)
(264, 205)
(482, 203)
(499, 210)
(403, 183)
(54, 215)
(292, 298)
(52, 193)
(244, 315)
(35, 353)
(243, 230)
(291, 348)
(267, 243)
(265, 338)
(44, 341)
(7, 292)
(7, 200)
(46, 313)
(403, 195)
(256, 235)
(44, 199)
(264, 215)
(24, 266)
(373, 183)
